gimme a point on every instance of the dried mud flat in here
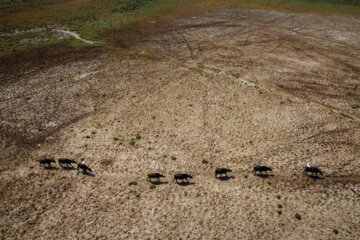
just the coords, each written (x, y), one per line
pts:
(237, 87)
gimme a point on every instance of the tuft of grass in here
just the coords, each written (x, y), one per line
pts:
(280, 205)
(345, 115)
(269, 183)
(190, 105)
(138, 136)
(87, 136)
(152, 186)
(335, 231)
(278, 196)
(132, 142)
(116, 138)
(173, 158)
(298, 216)
(133, 183)
(204, 161)
(355, 106)
(164, 156)
(279, 212)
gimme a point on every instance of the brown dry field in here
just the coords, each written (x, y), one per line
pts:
(238, 87)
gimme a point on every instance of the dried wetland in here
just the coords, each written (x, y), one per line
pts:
(230, 87)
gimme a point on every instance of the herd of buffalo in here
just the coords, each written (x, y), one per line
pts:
(179, 176)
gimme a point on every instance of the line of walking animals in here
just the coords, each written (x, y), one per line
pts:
(64, 161)
(178, 176)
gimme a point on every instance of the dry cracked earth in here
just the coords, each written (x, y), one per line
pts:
(234, 87)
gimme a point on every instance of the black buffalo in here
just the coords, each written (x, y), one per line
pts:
(222, 171)
(46, 161)
(154, 175)
(182, 177)
(262, 169)
(312, 170)
(83, 167)
(66, 161)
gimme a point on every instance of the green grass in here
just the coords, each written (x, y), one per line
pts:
(279, 212)
(336, 231)
(204, 161)
(173, 158)
(297, 216)
(278, 196)
(280, 205)
(94, 19)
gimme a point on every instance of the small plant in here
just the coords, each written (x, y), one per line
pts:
(204, 161)
(336, 231)
(190, 105)
(164, 156)
(279, 212)
(116, 138)
(282, 102)
(269, 183)
(132, 142)
(278, 196)
(355, 106)
(153, 117)
(325, 185)
(137, 195)
(198, 195)
(280, 205)
(61, 79)
(245, 176)
(87, 136)
(138, 137)
(251, 142)
(173, 158)
(93, 132)
(133, 183)
(297, 216)
(149, 148)
(27, 98)
(152, 187)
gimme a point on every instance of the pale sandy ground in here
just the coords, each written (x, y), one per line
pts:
(235, 87)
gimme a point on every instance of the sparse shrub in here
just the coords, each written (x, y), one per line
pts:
(269, 183)
(164, 156)
(116, 138)
(190, 105)
(61, 79)
(173, 158)
(149, 148)
(133, 183)
(27, 98)
(152, 187)
(325, 185)
(282, 102)
(87, 136)
(138, 137)
(336, 231)
(137, 195)
(279, 212)
(298, 216)
(355, 106)
(251, 142)
(280, 205)
(153, 117)
(204, 161)
(245, 176)
(132, 142)
(278, 196)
